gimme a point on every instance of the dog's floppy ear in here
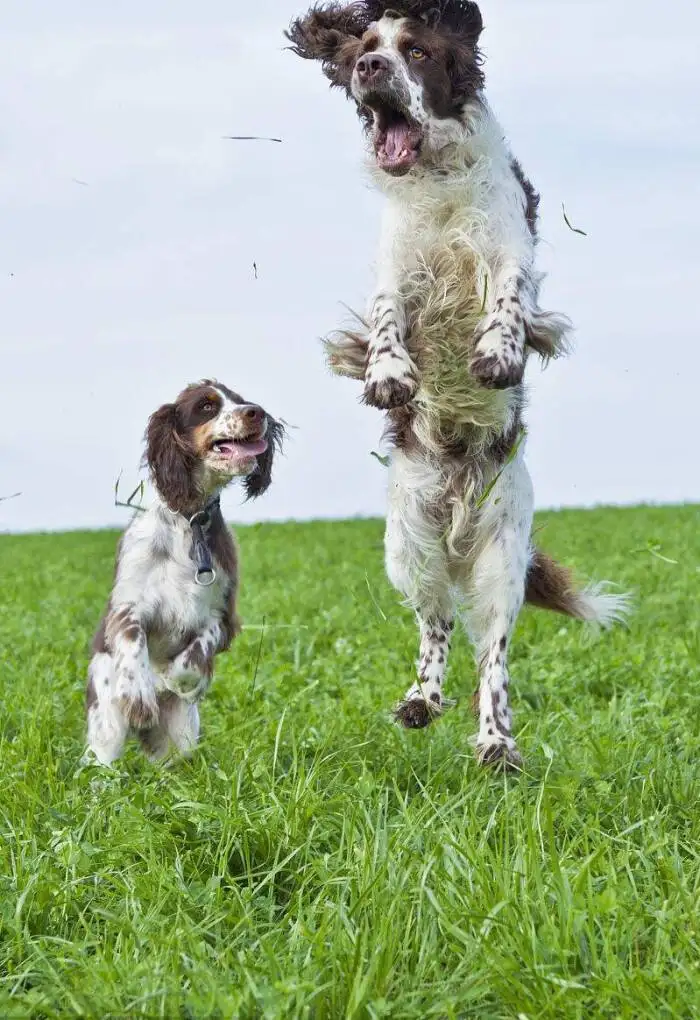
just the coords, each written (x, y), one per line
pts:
(169, 459)
(259, 481)
(332, 35)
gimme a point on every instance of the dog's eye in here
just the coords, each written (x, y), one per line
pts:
(206, 405)
(417, 53)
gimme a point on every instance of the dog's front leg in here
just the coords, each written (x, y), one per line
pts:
(134, 684)
(391, 379)
(511, 288)
(498, 361)
(190, 673)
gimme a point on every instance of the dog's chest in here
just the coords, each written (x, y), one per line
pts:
(442, 275)
(428, 215)
(439, 267)
(177, 592)
(157, 572)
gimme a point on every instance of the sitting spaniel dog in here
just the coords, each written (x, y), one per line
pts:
(446, 339)
(173, 602)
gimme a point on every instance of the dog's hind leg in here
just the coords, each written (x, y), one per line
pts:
(494, 593)
(181, 720)
(425, 699)
(155, 741)
(107, 727)
(416, 565)
(178, 724)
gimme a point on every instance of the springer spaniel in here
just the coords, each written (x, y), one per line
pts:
(173, 602)
(445, 341)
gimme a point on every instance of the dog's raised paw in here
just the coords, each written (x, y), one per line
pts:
(389, 392)
(495, 372)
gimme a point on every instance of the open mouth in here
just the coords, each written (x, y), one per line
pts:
(397, 138)
(234, 450)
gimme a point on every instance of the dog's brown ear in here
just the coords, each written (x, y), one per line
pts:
(466, 75)
(259, 481)
(332, 35)
(169, 459)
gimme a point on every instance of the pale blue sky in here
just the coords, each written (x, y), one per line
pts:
(116, 292)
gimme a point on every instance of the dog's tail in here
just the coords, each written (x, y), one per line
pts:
(548, 585)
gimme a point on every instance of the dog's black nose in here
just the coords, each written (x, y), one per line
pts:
(253, 413)
(371, 68)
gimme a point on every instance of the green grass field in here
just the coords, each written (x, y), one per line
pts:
(312, 860)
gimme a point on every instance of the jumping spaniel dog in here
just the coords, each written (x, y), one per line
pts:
(445, 341)
(173, 602)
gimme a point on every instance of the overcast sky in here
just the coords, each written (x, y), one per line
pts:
(129, 228)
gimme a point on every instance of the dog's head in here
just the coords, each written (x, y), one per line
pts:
(206, 438)
(411, 66)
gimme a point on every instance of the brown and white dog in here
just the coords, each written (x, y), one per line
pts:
(446, 338)
(173, 602)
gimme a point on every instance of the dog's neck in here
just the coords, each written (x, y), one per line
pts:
(202, 509)
(199, 525)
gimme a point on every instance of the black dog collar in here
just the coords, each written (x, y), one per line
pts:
(205, 575)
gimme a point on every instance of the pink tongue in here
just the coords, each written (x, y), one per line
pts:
(397, 139)
(244, 449)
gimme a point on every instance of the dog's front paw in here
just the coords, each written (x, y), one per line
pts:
(495, 372)
(498, 361)
(390, 379)
(136, 697)
(190, 674)
(190, 687)
(388, 393)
